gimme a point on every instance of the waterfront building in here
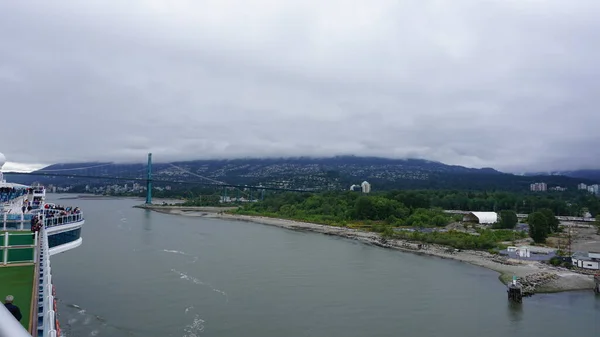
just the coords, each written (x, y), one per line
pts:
(586, 260)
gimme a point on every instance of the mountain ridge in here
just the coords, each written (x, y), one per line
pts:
(589, 174)
(310, 172)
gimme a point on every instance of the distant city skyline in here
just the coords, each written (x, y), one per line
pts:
(510, 85)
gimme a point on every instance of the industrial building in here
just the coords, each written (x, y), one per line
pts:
(585, 260)
(531, 253)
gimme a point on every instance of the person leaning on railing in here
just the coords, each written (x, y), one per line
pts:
(36, 225)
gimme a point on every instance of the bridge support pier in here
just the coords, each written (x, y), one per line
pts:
(149, 181)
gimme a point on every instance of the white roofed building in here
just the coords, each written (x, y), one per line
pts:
(484, 218)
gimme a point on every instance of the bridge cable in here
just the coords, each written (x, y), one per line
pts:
(197, 175)
(210, 179)
(76, 168)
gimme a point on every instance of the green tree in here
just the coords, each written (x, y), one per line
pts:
(206, 200)
(508, 219)
(553, 222)
(364, 208)
(439, 220)
(538, 227)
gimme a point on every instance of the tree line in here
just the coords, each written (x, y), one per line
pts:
(342, 208)
(381, 212)
(403, 203)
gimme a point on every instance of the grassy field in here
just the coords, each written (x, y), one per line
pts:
(18, 281)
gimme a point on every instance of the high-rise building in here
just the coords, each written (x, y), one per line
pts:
(366, 187)
(538, 187)
(582, 186)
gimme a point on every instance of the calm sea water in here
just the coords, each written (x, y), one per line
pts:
(140, 273)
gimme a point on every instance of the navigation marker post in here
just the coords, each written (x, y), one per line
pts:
(515, 291)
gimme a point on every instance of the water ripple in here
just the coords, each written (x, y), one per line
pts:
(194, 258)
(199, 282)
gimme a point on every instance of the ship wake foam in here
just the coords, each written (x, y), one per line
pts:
(192, 279)
(195, 328)
(178, 252)
(80, 321)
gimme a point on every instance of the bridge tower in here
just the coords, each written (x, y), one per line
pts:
(149, 181)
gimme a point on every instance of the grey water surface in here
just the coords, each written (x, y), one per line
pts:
(141, 273)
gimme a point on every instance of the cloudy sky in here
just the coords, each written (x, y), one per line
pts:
(512, 84)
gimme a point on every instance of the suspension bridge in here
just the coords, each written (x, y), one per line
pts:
(143, 174)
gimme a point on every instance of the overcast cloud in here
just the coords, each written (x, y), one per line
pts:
(511, 84)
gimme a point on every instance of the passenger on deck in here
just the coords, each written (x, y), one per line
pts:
(12, 308)
(36, 225)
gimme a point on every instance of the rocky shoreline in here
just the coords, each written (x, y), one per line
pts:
(536, 277)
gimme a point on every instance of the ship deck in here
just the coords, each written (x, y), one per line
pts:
(17, 276)
(18, 280)
(25, 257)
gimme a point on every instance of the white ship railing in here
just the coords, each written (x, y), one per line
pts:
(62, 220)
(45, 296)
(23, 221)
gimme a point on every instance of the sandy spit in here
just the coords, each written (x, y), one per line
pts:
(565, 280)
